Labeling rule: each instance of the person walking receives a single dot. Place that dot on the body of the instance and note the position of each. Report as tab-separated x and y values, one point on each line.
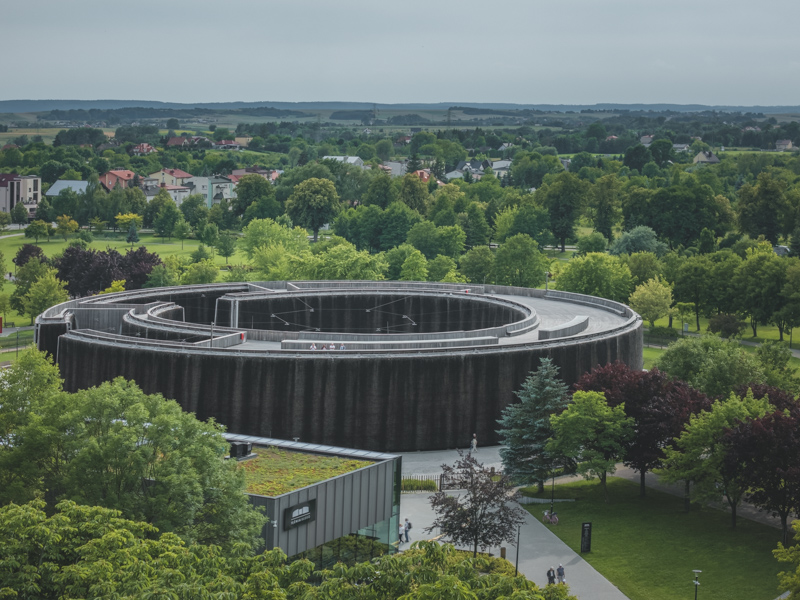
407	528
551	576
474	443
560	574
401	531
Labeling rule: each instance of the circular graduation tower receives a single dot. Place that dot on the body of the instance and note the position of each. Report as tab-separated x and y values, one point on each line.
385	366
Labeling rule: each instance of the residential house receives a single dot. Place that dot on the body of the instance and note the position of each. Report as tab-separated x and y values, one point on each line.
394	168
474	167
243	141
16	189
214	189
646	140
178	142
142	149
121	177
680	147
350	160
783	145
254	170
611	138
706	157
565	162
109	145
505	146
501	168
151	187
79	187
171	176
752	128
227	145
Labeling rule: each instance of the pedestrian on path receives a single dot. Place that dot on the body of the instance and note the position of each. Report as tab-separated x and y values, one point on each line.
400	532
474	443
551	576
407	528
560	574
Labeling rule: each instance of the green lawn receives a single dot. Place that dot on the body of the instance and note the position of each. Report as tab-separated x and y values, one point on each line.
649	546
765	332
161	246
651	355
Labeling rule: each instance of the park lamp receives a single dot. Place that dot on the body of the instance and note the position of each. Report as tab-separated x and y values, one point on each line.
696	582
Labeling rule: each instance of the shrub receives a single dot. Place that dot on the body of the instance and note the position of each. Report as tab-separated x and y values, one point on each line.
418	485
726	325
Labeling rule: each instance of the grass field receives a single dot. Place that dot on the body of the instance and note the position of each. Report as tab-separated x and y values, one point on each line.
649	546
765	332
161	246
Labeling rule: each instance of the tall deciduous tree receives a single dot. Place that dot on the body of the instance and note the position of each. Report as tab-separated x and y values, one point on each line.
36	230
758	282
764	209
692	284
525	426
652	300
19	214
313	203
117	447
593	434
711	364
415	267
700	451
226	245
604	205
563	198
46	291
477	265
596	274
768	451
518	262
484	515
659	405
413	192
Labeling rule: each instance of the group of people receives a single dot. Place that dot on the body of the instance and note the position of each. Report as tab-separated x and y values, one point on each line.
403	530
324	347
556	574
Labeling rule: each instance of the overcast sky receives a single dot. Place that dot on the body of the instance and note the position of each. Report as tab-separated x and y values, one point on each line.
735	52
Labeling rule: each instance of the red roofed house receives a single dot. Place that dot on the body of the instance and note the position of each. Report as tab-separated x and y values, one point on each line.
142	149
123	177
423	175
177	142
171	176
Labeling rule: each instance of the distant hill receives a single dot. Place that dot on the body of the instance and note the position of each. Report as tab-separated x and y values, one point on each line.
34	106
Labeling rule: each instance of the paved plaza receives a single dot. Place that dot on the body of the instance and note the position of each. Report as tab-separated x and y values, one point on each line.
539	548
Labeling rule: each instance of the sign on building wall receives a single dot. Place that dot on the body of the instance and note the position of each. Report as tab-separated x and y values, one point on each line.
299	514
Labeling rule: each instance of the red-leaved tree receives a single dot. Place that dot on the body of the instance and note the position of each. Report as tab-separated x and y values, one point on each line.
660	407
767	450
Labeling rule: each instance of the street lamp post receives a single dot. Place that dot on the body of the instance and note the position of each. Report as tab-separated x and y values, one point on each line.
516	564
696	582
553	493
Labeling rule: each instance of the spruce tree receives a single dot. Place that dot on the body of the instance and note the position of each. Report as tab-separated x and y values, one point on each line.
133	236
525	426
413	164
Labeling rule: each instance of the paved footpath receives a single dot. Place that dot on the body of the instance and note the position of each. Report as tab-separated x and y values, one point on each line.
539	548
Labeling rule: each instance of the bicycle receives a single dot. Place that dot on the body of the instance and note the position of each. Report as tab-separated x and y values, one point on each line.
549	517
